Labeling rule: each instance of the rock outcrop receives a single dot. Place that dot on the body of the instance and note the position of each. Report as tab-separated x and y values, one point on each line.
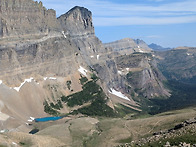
179	64
142	44
20	18
127	46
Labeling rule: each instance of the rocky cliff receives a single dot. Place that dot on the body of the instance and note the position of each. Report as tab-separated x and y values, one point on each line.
104	58
25	17
179	64
128	46
142	44
35	59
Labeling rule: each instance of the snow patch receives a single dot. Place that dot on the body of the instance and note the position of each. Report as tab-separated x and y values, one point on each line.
64	34
32	118
188	54
14	143
119	94
1	82
52	78
83	71
98	57
127	69
26	80
138	46
2	131
141	51
92	56
120	72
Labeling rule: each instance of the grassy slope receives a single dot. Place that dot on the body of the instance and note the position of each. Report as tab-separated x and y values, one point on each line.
89	132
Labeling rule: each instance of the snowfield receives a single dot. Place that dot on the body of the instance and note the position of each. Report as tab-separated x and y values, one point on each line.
119	94
83	71
120	72
141	51
188	54
26	80
64	34
97	57
50	78
31	119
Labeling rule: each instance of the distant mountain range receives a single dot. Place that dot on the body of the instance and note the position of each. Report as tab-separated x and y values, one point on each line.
156	47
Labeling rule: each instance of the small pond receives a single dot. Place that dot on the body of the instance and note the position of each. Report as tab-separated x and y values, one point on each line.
34	131
44	119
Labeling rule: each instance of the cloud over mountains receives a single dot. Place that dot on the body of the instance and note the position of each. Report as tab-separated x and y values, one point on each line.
155	12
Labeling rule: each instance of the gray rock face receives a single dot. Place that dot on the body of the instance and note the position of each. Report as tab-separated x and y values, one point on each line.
77	22
26	17
32	42
52	56
179	64
141	75
104	58
127	46
142	44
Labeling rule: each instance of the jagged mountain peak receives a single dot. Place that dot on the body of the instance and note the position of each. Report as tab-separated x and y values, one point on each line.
77	21
83	10
142	44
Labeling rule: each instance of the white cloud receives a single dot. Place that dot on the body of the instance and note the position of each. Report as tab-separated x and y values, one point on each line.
119	21
107	13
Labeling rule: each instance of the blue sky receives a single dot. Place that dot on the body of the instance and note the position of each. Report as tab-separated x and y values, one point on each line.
170	23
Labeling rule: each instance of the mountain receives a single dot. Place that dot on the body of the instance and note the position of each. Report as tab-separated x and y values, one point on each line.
142	44
126	46
35	59
36	53
156	47
57	67
179	64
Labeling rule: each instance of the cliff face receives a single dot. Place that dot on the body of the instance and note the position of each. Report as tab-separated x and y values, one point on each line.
32	42
179	64
142	44
104	58
77	22
25	17
128	46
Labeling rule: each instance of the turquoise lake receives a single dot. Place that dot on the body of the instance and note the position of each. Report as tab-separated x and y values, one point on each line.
44	119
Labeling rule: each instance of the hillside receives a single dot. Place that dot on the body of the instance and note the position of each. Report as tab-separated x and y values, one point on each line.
132	130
